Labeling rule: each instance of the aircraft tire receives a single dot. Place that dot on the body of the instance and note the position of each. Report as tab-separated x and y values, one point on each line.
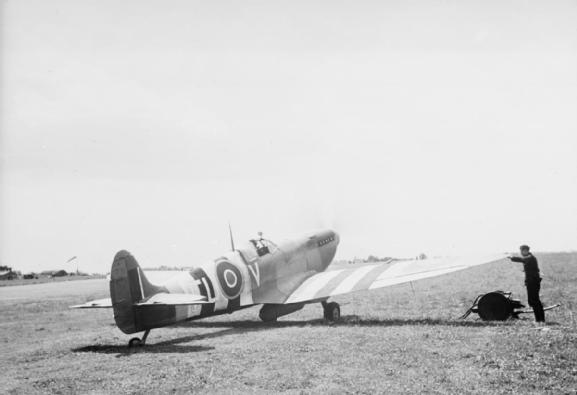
332	312
135	342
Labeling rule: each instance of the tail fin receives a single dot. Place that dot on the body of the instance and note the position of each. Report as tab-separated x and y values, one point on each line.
128	286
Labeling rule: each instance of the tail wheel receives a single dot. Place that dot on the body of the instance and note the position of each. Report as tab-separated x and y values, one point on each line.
138	342
332	312
135	342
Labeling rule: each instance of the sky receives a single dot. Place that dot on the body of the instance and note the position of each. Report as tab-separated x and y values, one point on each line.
437	127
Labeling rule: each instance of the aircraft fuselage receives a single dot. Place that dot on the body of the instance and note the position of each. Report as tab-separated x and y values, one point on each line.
261	271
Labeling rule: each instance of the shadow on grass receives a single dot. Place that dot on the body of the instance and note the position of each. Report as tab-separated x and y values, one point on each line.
346	321
158	348
167	346
244	326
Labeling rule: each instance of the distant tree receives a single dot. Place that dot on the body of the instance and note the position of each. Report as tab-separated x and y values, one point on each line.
5	268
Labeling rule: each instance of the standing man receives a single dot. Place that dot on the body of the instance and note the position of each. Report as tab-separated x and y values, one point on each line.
532	281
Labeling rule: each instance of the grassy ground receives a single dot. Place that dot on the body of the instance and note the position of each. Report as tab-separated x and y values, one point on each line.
400	339
43	280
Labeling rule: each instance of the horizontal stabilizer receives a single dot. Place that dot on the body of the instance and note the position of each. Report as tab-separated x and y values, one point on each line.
94	304
173	300
155	300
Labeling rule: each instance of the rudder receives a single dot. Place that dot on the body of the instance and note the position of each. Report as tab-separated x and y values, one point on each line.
129	285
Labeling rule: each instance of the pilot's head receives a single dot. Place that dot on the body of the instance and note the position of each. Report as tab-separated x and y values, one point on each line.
524	250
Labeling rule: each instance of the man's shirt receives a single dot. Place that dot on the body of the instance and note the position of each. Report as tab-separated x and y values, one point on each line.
529	265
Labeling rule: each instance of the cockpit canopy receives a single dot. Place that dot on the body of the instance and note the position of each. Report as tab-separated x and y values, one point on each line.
262	246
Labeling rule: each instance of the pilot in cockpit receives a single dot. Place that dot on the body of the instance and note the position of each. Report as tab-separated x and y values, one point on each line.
260	245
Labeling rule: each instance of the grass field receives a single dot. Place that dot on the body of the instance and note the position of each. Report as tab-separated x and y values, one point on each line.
401	339
44	280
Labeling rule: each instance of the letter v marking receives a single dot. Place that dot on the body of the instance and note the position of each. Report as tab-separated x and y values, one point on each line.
255	272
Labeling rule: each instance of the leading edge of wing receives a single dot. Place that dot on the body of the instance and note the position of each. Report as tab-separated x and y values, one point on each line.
338	282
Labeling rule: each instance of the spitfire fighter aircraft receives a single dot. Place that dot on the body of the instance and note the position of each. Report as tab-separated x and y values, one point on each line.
281	277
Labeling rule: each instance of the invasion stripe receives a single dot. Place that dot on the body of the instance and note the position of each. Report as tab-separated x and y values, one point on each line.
208	284
352	280
311	285
233	304
369	278
333	283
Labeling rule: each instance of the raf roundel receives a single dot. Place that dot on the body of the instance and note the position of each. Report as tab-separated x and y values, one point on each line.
230	279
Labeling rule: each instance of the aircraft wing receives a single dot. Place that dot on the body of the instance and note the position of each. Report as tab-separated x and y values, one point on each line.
337	282
94	304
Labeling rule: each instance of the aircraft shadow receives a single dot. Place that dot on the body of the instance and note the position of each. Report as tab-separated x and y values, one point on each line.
153	348
235	327
347	320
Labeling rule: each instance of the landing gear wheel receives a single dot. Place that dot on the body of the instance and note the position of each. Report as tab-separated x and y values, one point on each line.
138	342
332	312
135	342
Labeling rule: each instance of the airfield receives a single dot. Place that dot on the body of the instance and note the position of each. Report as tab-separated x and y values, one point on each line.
403	339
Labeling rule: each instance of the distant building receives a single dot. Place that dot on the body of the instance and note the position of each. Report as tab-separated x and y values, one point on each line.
53	273
8	275
60	273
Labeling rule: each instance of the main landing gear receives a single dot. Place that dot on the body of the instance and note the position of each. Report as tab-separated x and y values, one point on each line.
138	342
332	312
